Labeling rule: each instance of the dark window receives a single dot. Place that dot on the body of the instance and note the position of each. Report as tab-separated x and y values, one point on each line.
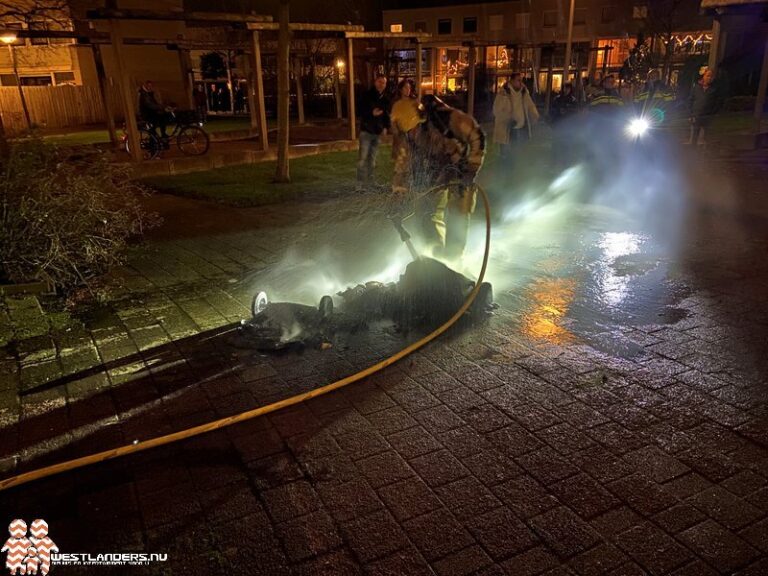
64	77
444	26
550	18
420	27
470	25
7	80
608	14
36	80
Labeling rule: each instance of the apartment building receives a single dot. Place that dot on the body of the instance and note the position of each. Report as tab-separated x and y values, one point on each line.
529	37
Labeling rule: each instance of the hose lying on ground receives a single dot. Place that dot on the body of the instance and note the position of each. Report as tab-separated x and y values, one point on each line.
68	465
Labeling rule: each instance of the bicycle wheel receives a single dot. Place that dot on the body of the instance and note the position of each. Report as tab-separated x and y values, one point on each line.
148	142
193	141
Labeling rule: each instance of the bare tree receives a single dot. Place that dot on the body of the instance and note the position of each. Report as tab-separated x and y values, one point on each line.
34	11
662	20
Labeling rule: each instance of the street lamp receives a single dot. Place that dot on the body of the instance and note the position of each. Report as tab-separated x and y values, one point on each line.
8	38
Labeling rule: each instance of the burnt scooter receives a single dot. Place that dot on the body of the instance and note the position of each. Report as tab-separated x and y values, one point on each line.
427	294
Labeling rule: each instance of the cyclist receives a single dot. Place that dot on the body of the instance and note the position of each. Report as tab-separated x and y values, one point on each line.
152	111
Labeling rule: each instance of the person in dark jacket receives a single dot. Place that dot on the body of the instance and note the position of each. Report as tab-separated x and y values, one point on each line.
151	110
704	104
374	112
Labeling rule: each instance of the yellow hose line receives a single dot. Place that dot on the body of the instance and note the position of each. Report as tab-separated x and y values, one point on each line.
247	415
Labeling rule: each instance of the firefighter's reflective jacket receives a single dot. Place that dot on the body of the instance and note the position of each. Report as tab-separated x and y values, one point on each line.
606	100
655	99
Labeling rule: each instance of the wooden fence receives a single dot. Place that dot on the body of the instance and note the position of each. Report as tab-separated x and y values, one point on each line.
55	107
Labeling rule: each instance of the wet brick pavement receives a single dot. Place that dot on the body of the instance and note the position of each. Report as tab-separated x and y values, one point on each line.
490	452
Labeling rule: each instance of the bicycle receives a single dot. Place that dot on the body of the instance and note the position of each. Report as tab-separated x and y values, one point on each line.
190	137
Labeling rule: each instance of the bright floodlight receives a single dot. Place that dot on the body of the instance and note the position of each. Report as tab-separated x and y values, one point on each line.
638	127
8	37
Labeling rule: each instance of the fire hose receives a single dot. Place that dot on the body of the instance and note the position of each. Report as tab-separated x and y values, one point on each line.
83	461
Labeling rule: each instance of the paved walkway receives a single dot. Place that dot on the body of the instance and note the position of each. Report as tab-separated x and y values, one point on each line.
534	444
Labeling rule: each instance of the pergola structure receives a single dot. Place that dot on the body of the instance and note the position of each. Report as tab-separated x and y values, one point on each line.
255	25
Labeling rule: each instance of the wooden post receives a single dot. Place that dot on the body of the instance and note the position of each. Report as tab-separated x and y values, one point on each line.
282	173
433	69
126	90
256	92
23	99
106	98
299	92
185	63
714	46
337	83
550	74
762	87
472	71
351	89
418	70
568	43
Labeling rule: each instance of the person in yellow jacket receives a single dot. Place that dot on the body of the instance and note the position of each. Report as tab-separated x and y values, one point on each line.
405	116
441	153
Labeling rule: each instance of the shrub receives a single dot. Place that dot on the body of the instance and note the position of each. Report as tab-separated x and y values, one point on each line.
65	216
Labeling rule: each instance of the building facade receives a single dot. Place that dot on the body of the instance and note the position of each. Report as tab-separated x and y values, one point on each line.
529	37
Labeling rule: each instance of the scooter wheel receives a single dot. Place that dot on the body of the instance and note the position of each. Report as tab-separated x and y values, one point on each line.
259	303
326	306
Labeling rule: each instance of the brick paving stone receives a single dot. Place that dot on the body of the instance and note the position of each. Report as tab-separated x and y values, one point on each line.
642	494
438	468
530	563
718	547
333	564
385	468
349	500
291	500
728	509
467	497
463	562
756	569
358	445
687	485
656	464
491	468
373	536
759	499
695	568
546	465
464	441
655	550
679	518
308	536
524	496
757	535
228	503
274	470
585	496
514	440
613	522
409	498
598	560
486	418
438	419
601	464
412	397
414	442
564	532
437	534
565	438
391	420
408	561
501	533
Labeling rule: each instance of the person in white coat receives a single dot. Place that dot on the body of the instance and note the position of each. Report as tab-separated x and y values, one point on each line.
514	115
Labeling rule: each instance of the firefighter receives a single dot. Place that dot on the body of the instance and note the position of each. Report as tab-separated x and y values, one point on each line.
446	150
607	99
654	99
